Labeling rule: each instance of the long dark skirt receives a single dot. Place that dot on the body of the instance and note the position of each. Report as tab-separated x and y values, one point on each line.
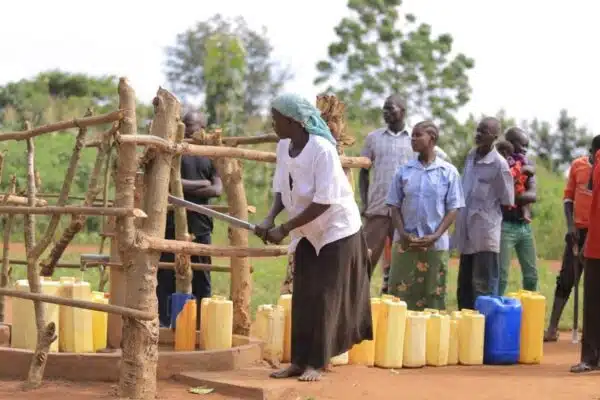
590	338
331	307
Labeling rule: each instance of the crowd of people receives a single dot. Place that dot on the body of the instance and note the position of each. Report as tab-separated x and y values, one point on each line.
412	197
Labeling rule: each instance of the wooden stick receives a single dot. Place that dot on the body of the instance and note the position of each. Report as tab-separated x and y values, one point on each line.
234	141
42	245
99	139
106	179
75	210
144	242
74	198
1	164
225	152
61	126
4	272
46	334
118	265
183	271
12	199
85	304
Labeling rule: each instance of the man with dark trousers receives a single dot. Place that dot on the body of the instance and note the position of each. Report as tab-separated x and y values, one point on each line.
577	202
200	183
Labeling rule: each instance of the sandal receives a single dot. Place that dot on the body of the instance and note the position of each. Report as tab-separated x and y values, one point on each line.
582	368
551	336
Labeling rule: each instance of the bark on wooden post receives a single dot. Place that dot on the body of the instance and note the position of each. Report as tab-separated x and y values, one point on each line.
124	197
45	334
183	270
140	338
8	222
230	171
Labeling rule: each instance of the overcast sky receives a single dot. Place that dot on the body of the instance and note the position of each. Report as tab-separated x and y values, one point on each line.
533	57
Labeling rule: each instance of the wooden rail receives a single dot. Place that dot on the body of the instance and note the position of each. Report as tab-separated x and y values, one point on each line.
88	305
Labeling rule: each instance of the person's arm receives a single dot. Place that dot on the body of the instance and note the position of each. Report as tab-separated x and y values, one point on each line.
363	176
568	205
262	229
189	186
504	184
529	196
394	200
214	189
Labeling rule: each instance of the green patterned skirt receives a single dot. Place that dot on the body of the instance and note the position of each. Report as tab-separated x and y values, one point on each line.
419	277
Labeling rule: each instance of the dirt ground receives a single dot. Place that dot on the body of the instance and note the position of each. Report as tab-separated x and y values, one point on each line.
550	380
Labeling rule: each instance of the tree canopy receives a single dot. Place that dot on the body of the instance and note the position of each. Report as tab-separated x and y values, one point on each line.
378	53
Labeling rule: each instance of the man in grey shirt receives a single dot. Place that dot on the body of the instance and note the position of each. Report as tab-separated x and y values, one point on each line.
388	148
487	184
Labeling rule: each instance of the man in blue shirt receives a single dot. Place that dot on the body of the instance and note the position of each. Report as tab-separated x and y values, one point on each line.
424	198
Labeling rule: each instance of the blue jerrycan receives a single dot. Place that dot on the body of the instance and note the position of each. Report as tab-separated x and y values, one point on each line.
502	329
176	303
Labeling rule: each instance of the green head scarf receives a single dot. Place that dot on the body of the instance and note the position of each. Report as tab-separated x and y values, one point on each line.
303	112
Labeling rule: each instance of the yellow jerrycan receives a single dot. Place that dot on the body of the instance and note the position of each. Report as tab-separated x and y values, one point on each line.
203	321
364	352
219	324
471	331
532	326
438	340
185	326
76	323
415	339
285	301
391	326
99	322
454	335
270	328
24	328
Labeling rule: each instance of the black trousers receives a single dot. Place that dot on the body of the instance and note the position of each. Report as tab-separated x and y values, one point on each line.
570	270
201	287
478	275
590	340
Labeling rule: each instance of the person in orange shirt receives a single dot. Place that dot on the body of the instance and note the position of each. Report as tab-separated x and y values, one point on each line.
577	201
590	340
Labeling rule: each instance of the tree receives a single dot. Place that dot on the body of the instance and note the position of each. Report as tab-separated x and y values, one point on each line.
224	70
56	95
263	77
557	149
373	58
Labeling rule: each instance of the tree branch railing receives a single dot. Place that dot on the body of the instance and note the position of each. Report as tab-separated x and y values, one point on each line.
85	304
223	152
63	125
74	210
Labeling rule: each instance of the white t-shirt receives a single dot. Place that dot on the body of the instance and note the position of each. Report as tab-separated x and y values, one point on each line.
317	176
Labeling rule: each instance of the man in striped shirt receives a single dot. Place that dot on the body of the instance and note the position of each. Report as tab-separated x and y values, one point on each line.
577	202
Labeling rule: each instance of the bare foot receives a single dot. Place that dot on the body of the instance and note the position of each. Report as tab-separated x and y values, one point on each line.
310	375
289	372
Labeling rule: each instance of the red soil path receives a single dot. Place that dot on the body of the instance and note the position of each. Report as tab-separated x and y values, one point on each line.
550	380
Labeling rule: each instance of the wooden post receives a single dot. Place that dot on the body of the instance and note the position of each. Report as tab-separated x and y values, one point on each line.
140	338
124	197
230	171
183	271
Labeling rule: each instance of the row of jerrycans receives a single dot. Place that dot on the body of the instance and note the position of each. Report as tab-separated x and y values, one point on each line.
402	338
78	330
413	339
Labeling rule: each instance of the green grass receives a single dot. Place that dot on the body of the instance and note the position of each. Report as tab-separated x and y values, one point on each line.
270	272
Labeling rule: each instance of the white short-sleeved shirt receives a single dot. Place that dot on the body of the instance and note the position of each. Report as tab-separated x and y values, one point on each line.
317	176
